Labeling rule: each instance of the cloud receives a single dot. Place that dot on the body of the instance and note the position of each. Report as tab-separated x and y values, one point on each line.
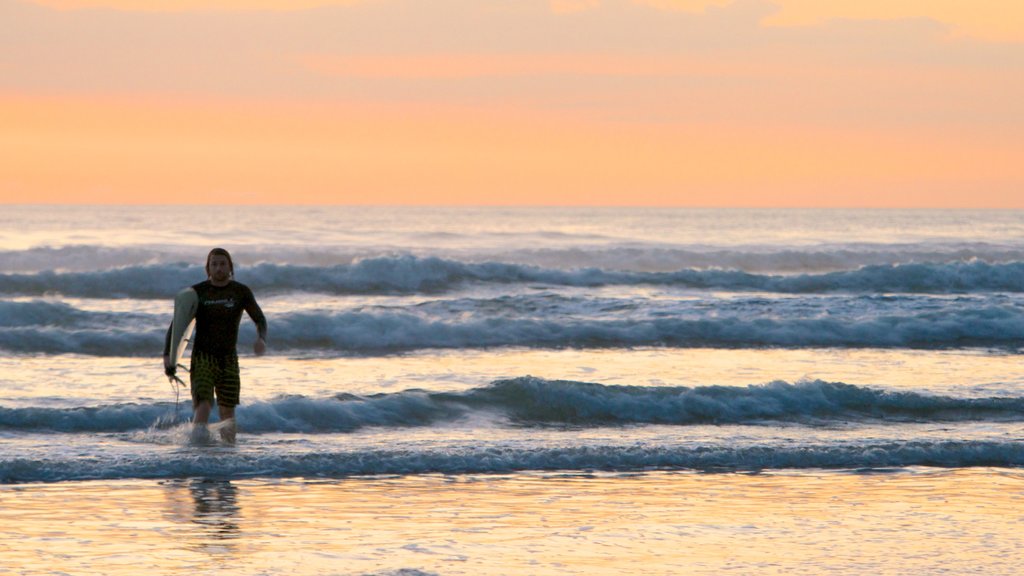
573	6
988	20
680	101
193	5
556	6
693	6
453	66
618	61
991	20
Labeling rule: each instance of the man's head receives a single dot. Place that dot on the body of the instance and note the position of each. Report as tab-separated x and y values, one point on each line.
219	267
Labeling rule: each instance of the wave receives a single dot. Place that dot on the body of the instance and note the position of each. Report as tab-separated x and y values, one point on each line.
88	341
529	401
52	313
632	255
537	400
487	459
19	314
79	258
814	259
413	275
387	331
384	332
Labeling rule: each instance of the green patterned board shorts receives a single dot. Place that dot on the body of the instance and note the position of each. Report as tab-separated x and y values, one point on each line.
218	375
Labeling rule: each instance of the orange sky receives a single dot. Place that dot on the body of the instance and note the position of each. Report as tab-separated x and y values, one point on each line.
902	103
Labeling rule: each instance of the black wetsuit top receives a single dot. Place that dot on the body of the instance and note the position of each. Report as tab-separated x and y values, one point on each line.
218	317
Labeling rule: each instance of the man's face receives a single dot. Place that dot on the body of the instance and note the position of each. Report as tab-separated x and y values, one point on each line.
219	268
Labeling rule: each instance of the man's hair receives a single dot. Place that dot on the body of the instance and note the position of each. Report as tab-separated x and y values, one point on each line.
219	252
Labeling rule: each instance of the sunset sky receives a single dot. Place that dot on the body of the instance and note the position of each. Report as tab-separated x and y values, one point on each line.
894	103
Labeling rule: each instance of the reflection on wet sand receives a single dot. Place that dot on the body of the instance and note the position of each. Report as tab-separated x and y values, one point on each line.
211	507
546	524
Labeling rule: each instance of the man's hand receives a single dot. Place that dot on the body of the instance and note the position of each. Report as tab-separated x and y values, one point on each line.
260	347
171	370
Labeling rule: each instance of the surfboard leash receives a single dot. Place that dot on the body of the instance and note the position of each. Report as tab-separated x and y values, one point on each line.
177	389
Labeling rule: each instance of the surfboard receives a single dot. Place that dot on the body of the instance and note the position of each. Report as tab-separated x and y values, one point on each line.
186	303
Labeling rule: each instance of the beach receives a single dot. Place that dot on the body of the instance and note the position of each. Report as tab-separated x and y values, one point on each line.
909	521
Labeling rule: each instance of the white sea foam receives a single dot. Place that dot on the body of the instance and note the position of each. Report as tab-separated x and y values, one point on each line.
537	401
410	274
630	256
45	328
503	459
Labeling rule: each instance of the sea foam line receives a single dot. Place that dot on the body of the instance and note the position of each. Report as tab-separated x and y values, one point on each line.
636	256
413	275
536	401
505	459
386	331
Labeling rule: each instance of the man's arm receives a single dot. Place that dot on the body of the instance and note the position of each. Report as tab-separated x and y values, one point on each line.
167	340
256	313
169	369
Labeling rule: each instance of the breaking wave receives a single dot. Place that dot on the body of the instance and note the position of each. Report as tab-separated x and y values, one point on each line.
412	275
537	401
54	328
634	256
505	459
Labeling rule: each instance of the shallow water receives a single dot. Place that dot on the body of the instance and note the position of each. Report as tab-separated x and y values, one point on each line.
911	521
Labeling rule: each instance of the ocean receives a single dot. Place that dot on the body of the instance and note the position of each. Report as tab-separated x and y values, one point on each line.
482	391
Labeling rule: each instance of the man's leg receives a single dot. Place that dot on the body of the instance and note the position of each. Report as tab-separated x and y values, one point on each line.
201	413
203	376
227	417
228	391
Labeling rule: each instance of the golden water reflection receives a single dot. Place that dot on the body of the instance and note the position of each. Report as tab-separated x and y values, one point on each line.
904	522
210	507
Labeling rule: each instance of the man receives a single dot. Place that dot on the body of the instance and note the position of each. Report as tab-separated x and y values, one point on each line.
214	368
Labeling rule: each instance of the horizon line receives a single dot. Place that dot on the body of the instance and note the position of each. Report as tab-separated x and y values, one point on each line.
503	206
